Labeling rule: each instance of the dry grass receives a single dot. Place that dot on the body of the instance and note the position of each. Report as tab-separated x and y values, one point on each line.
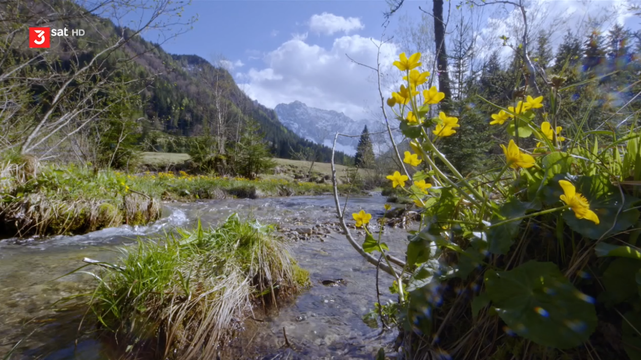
163	159
183	296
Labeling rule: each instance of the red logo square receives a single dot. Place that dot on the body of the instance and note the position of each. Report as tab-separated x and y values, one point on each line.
39	37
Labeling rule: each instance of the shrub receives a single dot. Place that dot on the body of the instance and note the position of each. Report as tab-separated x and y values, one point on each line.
534	259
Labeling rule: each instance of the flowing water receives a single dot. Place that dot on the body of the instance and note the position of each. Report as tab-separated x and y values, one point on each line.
323	322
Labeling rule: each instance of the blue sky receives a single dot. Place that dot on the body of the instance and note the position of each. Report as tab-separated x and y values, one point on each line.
282	51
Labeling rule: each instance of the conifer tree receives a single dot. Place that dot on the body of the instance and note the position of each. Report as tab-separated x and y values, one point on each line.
364	151
594	54
543	53
568	53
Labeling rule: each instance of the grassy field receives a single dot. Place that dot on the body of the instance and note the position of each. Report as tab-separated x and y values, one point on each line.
323	168
165	159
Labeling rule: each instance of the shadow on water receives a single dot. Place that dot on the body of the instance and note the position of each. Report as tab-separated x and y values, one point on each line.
322	322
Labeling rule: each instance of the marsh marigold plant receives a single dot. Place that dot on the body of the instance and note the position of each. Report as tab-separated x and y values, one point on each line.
516	249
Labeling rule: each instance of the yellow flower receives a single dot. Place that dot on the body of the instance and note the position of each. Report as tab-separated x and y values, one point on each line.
577	202
422	185
411	118
404	95
417	78
408	64
397	179
387	207
432	96
411	159
362	218
500	118
391	102
546	129
446	128
515	158
534	103
126	188
418	203
520	108
122	183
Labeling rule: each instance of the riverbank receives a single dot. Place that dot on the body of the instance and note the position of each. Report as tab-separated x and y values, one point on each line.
76	200
324	320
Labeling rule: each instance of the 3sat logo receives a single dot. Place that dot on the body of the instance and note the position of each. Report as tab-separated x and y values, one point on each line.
39	37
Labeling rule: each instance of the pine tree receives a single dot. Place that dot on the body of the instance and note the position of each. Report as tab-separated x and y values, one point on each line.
364	151
594	54
543	52
568	53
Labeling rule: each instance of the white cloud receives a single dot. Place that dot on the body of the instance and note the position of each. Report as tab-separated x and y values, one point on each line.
230	66
330	24
321	77
555	16
301	37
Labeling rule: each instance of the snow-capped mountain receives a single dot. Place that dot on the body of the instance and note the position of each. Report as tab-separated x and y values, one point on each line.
320	126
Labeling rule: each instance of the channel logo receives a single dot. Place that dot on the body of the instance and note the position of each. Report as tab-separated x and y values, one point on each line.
39	37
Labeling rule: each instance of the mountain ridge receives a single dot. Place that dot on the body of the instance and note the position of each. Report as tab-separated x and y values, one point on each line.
320	125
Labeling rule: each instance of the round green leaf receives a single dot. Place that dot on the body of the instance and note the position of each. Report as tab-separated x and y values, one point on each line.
412	132
538	303
521	126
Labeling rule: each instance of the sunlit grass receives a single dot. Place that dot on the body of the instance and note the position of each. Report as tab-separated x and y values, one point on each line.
180	296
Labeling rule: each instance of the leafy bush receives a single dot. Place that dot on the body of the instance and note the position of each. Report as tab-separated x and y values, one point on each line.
536	257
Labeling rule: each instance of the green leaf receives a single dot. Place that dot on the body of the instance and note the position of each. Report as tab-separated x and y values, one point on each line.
442	207
630	328
469	260
478	303
619	280
370	243
384	246
380	355
418	252
419	175
521	124
538	303
556	163
411	132
501	237
603	250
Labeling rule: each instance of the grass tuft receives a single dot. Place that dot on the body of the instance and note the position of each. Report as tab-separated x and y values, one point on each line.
182	296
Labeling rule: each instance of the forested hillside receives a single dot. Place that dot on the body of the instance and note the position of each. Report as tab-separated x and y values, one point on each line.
134	94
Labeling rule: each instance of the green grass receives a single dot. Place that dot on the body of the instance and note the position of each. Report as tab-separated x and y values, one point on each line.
165	159
76	200
178	296
162	158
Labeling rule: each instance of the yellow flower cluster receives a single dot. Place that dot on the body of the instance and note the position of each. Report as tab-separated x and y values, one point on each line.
520	108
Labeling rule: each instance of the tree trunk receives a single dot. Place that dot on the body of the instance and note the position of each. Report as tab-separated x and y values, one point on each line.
441	55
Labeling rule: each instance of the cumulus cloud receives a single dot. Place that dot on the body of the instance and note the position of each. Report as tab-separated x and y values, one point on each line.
553	16
330	24
229	65
321	77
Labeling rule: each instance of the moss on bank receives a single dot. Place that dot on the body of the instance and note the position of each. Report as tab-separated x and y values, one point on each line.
77	200
181	297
